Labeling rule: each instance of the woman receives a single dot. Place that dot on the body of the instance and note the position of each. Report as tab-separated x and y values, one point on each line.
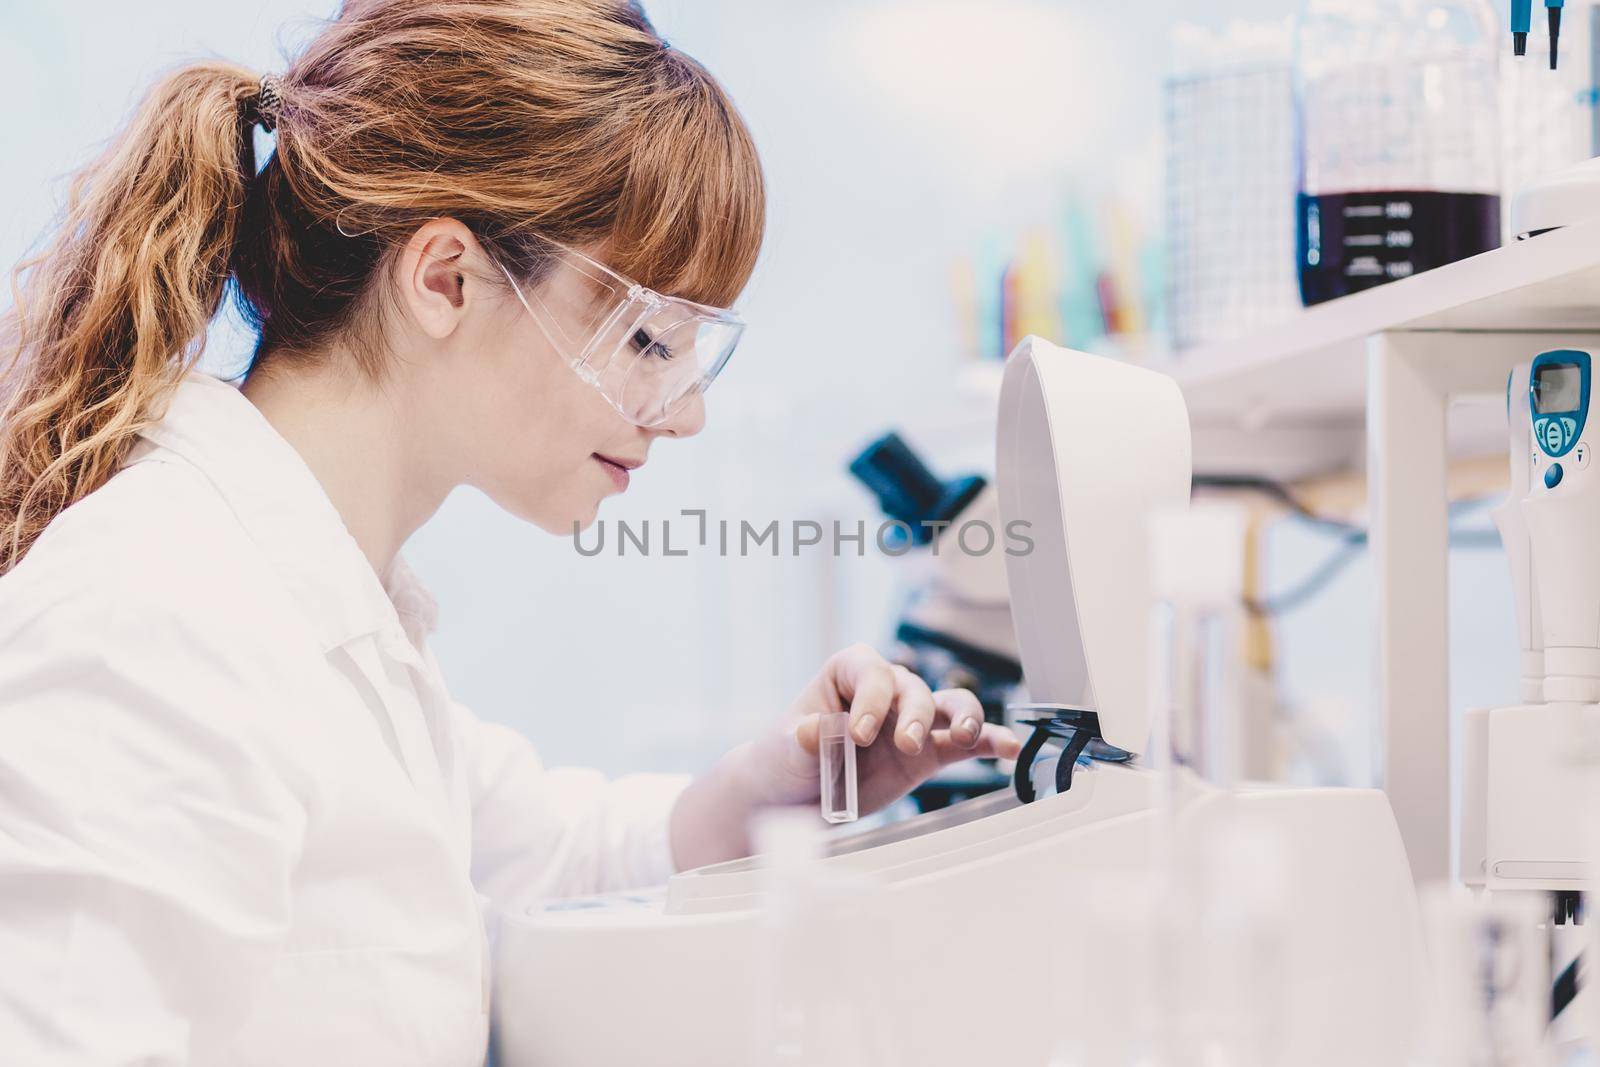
240	819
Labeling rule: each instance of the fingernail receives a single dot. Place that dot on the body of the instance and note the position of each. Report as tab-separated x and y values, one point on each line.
916	731
864	729
968	729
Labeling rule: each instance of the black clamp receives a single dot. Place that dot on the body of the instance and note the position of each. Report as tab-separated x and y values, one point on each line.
1077	727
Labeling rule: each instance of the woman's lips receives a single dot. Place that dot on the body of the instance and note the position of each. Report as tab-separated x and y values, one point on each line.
619	473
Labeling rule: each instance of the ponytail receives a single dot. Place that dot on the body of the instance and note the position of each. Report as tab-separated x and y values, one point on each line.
524	119
113	309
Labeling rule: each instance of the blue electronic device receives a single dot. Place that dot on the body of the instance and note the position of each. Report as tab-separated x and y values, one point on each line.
1558	397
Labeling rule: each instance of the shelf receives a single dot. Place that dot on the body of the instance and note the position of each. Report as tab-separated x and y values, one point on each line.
1446	339
1312	366
1290	402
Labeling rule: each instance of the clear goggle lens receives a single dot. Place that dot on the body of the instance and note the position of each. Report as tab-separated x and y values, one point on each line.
648	354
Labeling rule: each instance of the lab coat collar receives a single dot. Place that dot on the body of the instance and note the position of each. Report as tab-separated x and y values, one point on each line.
287	513
417	609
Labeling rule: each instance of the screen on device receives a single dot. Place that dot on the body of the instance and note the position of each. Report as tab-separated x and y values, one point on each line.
1557	388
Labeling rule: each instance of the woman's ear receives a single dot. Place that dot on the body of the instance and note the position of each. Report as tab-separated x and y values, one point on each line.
431	276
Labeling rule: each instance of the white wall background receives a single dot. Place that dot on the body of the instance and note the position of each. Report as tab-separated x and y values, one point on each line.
892	131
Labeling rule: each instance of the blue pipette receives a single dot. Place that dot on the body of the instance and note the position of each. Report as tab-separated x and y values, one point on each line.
1521	16
1552	11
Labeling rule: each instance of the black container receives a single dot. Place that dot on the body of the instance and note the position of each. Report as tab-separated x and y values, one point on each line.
1353	241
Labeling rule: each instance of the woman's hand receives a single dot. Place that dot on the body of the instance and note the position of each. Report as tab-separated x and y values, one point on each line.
906	732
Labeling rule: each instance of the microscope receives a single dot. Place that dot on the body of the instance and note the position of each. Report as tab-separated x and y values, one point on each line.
1527	783
954	630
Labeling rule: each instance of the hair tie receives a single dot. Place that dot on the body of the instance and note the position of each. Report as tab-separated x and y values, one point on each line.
269	102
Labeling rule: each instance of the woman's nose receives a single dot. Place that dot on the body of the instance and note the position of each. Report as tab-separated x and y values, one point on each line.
688	420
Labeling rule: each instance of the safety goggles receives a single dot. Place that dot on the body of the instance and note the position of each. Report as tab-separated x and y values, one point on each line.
648	354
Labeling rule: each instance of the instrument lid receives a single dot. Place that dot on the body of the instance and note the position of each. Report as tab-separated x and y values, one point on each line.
1088	449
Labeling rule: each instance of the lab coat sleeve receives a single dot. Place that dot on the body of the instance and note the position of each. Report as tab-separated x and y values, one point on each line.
539	833
145	847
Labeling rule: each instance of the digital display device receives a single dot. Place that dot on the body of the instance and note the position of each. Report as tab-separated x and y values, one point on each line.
1557	387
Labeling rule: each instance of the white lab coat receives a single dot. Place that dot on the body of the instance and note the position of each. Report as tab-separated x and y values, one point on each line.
241	821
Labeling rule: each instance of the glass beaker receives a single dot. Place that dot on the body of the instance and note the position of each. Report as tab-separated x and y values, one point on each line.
1398	124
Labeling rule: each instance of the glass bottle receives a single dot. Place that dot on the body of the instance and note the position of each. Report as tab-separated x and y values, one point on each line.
1398	124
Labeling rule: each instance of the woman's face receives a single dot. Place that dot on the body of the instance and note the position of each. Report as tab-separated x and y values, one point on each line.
517	420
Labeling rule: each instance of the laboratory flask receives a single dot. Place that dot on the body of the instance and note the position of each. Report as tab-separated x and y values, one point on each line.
1397	120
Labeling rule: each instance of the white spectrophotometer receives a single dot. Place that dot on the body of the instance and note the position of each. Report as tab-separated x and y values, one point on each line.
995	910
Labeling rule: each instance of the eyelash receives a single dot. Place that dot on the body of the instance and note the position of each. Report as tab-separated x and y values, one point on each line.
644	343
